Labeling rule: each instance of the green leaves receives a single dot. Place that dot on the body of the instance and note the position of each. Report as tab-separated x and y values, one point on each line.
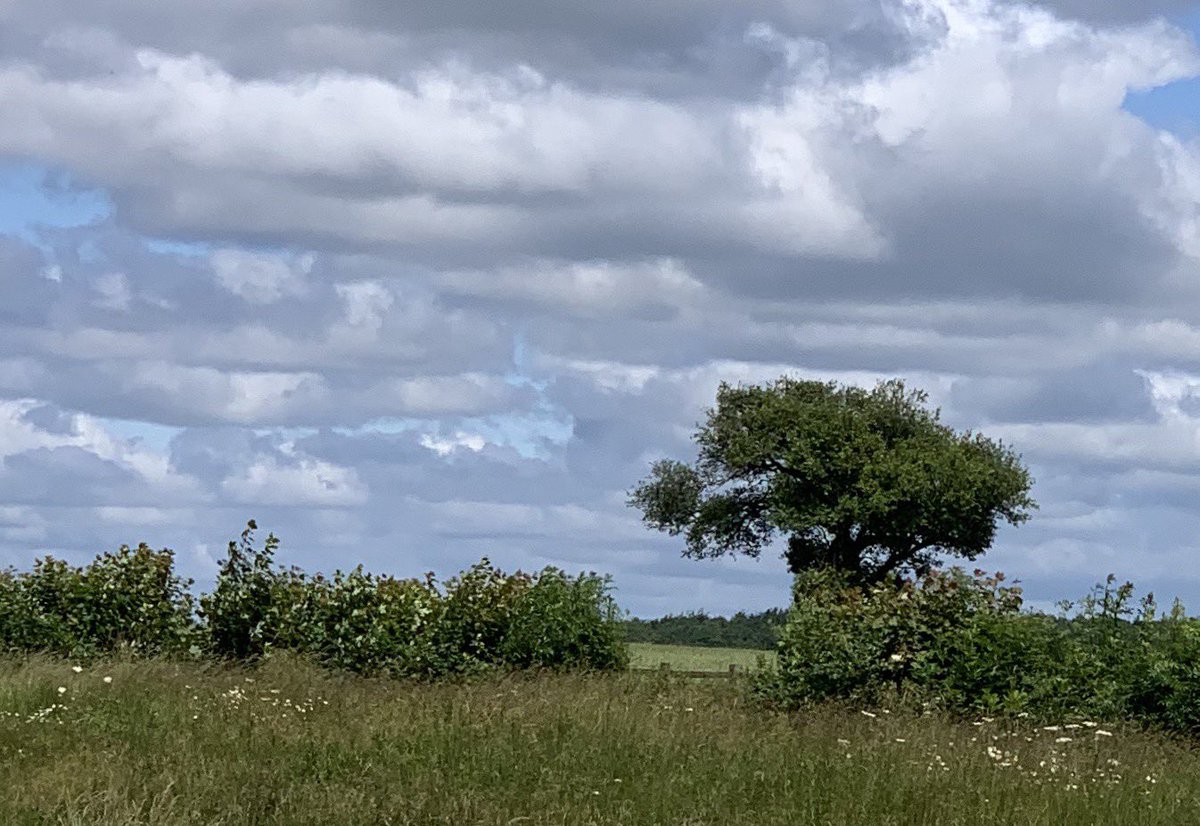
866	481
961	643
355	620
128	600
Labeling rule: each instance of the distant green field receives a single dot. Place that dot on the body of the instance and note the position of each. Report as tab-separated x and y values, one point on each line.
693	658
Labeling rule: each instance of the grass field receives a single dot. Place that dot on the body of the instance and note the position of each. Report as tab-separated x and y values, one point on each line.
693	658
289	744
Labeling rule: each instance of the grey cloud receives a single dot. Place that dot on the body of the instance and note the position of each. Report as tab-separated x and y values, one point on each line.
70	474
572	257
1116	10
1093	393
665	48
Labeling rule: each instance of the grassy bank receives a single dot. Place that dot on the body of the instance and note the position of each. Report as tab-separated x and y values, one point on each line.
289	744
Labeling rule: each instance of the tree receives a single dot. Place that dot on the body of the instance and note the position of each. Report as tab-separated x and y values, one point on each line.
868	481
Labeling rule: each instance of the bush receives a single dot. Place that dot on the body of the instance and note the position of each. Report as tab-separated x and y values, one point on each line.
962	643
238	613
480	619
132	600
562	622
129	600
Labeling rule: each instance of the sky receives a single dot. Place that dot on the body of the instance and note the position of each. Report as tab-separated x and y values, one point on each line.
413	283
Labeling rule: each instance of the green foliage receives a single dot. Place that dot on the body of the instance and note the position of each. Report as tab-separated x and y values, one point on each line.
962	643
742	630
564	622
480	619
130	600
236	613
358	621
869	482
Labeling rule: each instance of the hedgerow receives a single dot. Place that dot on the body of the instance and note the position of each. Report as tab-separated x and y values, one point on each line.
132	601
962	643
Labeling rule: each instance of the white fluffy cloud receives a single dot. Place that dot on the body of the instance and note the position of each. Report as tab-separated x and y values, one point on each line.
415	284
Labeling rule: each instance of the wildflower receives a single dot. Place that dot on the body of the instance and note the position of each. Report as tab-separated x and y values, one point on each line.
901	740
1050	728
108	680
897	658
1063	740
62	689
1102	733
869	714
78	669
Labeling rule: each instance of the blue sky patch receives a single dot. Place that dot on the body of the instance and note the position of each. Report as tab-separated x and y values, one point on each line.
34	196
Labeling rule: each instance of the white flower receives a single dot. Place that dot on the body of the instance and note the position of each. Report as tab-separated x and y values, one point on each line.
897	658
108	680
78	669
868	714
1063	740
1102	733
62	689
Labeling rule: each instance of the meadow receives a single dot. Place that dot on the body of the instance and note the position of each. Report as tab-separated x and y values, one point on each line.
695	658
157	742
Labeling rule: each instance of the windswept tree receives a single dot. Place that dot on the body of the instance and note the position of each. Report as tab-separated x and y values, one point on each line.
868	481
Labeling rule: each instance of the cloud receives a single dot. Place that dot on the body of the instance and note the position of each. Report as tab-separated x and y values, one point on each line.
413	283
260	278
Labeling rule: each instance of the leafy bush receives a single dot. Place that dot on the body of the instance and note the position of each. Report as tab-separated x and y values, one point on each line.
130	600
962	643
562	622
481	618
237	612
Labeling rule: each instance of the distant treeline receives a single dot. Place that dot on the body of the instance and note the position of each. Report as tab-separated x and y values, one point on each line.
742	630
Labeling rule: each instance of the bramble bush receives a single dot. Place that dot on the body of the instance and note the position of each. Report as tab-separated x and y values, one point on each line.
133	601
961	643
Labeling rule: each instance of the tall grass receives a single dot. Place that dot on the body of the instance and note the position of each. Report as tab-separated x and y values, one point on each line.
288	743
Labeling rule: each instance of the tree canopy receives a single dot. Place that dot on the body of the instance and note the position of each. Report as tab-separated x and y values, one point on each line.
868	481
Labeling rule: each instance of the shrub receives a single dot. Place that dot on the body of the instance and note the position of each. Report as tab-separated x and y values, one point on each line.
361	622
238	614
562	622
962	643
483	618
480	619
130	599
